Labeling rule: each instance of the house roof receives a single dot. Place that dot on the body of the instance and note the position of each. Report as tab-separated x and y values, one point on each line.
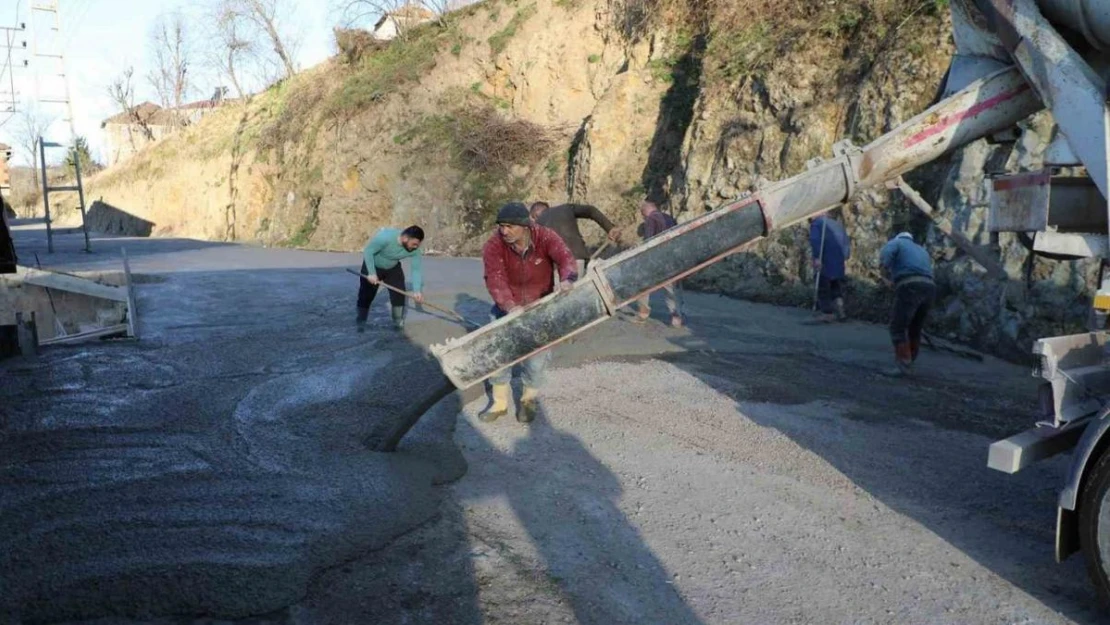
155	115
147	111
407	13
200	104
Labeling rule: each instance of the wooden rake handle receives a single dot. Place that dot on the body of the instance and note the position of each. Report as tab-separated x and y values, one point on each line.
411	294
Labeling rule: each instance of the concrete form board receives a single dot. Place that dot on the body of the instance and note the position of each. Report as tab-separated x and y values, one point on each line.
78	312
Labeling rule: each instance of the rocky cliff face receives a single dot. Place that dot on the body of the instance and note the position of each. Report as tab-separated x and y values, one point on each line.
607	101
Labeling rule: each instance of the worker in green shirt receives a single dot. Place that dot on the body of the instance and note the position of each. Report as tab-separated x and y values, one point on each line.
384	253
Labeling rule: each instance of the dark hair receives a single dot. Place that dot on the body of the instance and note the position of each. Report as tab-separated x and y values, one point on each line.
540	203
414	232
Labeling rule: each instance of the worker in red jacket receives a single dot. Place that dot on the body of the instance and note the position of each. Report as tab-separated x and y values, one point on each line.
519	261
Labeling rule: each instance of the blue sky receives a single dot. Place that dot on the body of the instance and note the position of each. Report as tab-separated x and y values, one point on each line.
101	38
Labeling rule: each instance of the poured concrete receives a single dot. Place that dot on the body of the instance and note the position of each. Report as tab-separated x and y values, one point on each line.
747	469
215	466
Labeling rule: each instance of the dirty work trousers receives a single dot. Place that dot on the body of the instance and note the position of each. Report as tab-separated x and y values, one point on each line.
913	298
532	372
672	294
828	290
394	277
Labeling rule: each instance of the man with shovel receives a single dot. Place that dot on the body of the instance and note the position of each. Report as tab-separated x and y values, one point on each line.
519	262
384	252
830	247
909	268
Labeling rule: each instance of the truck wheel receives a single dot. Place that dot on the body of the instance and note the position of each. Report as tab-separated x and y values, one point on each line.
1094	525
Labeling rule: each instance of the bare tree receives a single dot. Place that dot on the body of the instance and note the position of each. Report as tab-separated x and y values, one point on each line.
235	50
264	20
440	7
171	55
31	125
122	93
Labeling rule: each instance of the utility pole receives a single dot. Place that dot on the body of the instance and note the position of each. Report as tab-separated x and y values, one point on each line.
51	55
13	45
13	48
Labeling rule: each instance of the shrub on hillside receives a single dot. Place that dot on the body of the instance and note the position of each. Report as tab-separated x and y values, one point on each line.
487	141
354	44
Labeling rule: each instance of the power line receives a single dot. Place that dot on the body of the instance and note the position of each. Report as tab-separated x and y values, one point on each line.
9	99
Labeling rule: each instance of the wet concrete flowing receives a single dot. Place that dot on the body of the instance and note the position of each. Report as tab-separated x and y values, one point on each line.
219	464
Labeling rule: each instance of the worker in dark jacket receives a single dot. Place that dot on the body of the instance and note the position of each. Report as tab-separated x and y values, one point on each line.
908	266
563	219
520	261
830	248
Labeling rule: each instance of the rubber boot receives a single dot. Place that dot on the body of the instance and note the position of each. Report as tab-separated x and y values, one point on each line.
529	405
500	405
398	314
903	362
360	320
839	303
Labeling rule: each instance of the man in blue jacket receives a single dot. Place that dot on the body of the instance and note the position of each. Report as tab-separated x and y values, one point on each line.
830	248
908	266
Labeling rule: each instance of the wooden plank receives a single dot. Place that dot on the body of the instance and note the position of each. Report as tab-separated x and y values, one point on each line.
85	336
132	306
72	284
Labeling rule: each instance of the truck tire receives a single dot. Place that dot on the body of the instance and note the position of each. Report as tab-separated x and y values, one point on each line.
1094	525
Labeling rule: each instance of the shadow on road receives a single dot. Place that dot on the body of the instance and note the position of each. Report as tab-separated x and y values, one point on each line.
911	460
593	556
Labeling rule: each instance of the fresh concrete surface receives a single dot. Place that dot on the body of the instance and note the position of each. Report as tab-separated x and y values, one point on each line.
748	469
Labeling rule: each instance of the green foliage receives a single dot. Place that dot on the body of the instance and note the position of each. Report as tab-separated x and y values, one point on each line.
845	20
593	58
308	228
734	54
499	40
636	192
79	153
404	60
